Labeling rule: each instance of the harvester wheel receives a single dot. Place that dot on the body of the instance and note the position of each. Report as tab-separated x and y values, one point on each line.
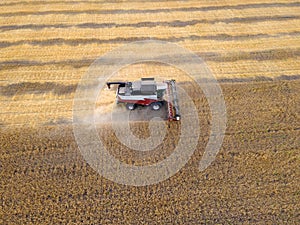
156	106
130	106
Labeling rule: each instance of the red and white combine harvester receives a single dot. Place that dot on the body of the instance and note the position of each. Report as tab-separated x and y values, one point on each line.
148	92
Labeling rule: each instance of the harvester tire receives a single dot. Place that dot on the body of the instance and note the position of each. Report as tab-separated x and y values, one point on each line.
130	106
156	106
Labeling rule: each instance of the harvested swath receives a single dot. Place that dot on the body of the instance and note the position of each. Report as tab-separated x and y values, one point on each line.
78	42
142	11
148	24
36	88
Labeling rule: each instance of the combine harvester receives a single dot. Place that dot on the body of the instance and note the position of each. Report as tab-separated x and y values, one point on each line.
148	92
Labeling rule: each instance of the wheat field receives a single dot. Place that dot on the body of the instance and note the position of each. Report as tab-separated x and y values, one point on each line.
47	47
252	48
